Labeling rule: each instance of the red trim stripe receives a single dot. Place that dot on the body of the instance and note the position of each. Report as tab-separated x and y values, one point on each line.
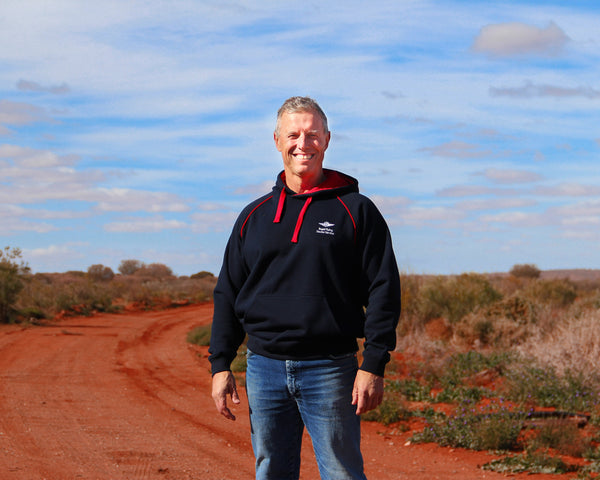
351	217
250	214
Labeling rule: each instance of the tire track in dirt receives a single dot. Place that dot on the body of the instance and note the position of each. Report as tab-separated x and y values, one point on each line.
112	396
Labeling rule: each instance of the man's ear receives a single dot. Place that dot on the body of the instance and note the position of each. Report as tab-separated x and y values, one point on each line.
328	138
276	140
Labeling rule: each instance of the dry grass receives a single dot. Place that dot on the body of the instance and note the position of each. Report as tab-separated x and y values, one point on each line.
77	293
572	346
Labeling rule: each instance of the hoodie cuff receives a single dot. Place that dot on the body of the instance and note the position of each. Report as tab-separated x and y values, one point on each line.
374	361
219	365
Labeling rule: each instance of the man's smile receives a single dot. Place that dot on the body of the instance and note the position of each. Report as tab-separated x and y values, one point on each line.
303	156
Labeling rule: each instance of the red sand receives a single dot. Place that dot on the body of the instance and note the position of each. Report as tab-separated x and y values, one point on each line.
126	397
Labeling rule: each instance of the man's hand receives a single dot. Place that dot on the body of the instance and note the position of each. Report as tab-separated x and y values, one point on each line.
368	391
223	384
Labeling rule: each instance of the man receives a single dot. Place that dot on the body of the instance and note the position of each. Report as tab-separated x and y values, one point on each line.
308	269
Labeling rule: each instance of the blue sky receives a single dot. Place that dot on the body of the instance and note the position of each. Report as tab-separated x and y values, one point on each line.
139	129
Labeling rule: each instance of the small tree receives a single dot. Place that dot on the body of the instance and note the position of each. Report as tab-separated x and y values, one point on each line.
100	273
157	271
202	274
12	269
526	270
129	267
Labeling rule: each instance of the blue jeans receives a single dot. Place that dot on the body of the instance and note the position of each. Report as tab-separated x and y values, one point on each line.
286	395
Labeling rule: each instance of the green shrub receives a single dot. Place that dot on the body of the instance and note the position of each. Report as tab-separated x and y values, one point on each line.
561	435
463	365
556	293
410	389
527	383
530	462
391	410
455	297
12	270
200	335
491	428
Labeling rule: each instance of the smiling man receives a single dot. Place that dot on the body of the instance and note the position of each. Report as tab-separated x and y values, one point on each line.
309	268
302	138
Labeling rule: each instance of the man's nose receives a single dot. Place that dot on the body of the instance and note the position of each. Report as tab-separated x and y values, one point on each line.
301	142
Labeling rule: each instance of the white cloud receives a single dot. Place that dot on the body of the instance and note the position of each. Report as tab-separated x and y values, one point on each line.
579	210
52	251
568	189
457	149
418	216
495	204
20	113
33	158
515	38
127	200
473	191
145	225
507	176
213	221
589	220
515	219
38	176
30	86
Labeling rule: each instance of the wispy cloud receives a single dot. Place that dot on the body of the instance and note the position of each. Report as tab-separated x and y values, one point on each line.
457	149
30	86
145	225
509	176
20	113
568	190
529	90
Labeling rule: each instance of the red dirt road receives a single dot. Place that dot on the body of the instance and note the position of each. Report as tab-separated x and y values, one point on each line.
125	397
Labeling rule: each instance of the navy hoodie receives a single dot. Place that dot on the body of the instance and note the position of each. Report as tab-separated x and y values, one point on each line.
305	275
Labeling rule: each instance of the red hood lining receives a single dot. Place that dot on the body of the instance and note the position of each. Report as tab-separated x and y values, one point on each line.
332	180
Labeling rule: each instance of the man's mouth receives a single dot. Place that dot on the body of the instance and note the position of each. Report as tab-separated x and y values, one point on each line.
303	156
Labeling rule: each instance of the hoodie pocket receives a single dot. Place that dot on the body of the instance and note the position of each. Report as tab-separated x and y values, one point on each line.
305	316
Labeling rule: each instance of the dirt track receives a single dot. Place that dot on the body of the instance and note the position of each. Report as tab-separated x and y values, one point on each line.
125	397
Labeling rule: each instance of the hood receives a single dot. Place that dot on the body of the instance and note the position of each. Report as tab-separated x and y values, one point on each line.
334	185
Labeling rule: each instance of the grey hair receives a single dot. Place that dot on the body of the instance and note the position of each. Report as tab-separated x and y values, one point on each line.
300	104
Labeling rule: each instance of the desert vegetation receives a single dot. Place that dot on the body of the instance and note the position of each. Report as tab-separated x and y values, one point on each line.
31	298
504	362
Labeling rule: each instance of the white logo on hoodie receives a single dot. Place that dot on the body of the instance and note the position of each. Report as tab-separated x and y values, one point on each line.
325	228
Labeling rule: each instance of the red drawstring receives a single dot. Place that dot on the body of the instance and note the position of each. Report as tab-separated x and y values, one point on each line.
277	218
300	219
279	211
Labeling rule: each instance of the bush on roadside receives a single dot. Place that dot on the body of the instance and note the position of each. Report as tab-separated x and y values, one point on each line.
455	297
12	271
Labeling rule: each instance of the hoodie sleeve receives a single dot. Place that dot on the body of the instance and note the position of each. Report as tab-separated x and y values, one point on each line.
227	333
380	287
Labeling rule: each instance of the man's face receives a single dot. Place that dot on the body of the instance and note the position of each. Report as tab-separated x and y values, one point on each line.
302	142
